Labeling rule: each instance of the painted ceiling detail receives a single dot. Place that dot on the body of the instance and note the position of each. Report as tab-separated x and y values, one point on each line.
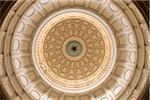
74	50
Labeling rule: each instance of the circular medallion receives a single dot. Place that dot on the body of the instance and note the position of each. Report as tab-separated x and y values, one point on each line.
74	42
74	46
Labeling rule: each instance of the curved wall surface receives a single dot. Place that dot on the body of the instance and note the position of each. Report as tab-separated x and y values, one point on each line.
74	50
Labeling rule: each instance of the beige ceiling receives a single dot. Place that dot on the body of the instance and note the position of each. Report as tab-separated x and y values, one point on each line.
113	63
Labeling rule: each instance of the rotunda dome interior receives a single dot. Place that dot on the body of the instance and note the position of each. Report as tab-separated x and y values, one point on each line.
74	50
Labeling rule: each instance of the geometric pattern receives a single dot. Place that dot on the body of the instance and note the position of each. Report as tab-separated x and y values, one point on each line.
20	78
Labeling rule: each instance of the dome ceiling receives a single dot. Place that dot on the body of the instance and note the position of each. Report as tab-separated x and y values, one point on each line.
74	50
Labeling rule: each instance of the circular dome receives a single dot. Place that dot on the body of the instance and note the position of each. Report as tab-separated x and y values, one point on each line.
82	29
74	50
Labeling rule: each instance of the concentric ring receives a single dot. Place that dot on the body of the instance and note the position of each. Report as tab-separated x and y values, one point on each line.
60	75
112	65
